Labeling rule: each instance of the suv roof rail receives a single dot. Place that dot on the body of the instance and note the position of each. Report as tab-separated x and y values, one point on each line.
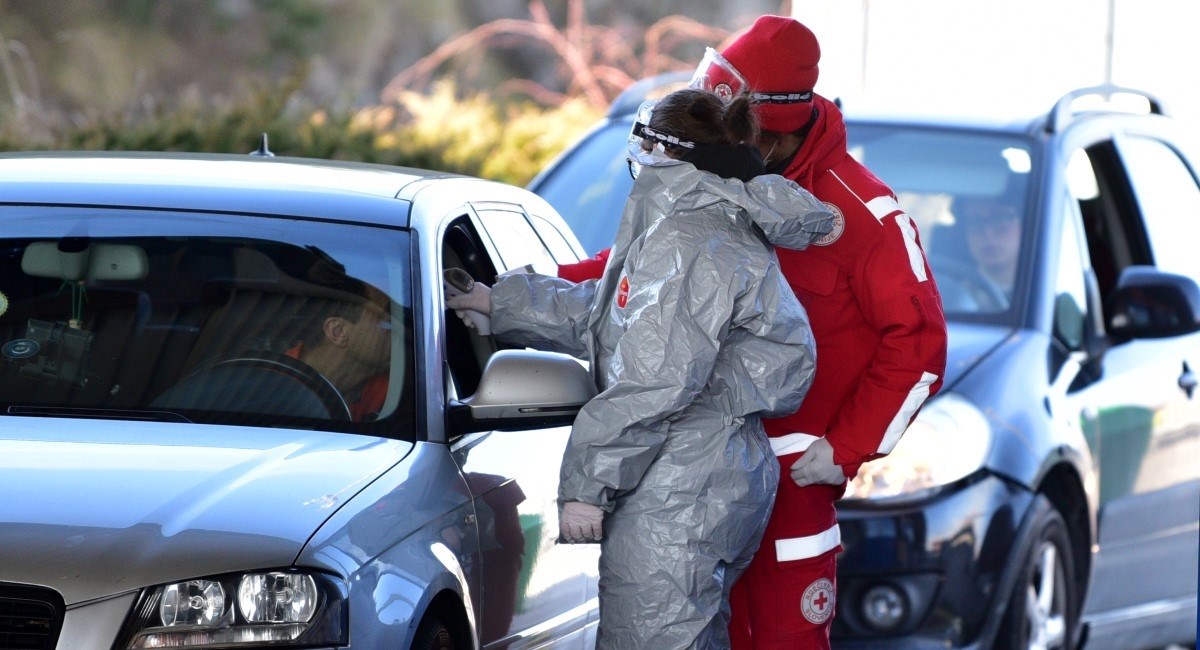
632	97
1061	113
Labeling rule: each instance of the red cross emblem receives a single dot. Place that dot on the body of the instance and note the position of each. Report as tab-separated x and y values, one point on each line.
623	292
817	603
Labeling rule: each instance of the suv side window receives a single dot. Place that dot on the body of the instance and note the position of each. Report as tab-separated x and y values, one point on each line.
1169	199
1115	236
1070	289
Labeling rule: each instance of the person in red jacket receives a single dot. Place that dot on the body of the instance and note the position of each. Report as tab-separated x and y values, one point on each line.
876	316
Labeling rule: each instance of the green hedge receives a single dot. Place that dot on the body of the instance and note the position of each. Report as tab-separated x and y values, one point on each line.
438	130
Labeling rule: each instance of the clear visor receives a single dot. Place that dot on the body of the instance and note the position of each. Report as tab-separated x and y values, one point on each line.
718	76
648	146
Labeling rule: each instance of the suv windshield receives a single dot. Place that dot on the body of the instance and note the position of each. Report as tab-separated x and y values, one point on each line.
205	318
589	186
969	194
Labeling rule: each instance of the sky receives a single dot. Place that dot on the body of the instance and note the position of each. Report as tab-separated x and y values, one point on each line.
984	56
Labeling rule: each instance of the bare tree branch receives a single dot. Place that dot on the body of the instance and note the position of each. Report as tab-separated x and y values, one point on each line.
598	62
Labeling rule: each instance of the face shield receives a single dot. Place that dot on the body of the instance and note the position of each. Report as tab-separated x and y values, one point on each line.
648	146
718	76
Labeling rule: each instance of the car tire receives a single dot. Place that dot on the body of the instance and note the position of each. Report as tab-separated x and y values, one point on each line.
1043	606
433	635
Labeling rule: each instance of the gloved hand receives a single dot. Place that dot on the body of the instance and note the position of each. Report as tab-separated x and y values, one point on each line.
816	465
581	522
470	300
479	299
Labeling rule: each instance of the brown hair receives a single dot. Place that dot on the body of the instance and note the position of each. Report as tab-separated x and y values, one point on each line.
704	118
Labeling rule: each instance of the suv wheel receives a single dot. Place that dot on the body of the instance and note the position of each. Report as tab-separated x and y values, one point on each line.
433	635
1042	608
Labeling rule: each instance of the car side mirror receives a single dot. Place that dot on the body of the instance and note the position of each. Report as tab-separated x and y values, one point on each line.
1149	303
525	389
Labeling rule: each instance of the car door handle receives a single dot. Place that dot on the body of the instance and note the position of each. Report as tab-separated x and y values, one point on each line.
1187	380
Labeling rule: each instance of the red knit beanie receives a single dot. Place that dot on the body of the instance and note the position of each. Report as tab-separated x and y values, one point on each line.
778	56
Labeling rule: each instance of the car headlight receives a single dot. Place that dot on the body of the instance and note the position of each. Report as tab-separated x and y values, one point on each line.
280	608
949	440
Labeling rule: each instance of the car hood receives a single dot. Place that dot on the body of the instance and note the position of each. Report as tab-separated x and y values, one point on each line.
968	344
94	508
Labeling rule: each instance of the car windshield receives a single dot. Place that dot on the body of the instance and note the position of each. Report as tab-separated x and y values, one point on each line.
968	193
205	318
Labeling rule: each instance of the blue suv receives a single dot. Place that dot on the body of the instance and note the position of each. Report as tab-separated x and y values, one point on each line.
1049	495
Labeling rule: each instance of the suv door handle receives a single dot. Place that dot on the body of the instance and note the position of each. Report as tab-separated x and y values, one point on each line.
1187	380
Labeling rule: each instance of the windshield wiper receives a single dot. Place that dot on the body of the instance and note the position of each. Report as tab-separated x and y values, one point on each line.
95	413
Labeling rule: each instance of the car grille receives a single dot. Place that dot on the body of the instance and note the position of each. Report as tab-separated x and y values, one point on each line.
30	617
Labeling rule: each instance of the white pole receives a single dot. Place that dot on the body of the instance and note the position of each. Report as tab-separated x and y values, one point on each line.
1109	41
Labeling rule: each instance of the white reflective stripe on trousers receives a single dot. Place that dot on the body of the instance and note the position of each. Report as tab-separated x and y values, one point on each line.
802	548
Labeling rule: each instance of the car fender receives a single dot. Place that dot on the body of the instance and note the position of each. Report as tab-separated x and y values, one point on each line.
1037	440
405	539
1034	428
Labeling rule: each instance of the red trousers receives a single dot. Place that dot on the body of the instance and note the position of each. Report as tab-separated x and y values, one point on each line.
786	598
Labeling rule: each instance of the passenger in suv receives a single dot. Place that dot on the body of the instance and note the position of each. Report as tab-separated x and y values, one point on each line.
1054	477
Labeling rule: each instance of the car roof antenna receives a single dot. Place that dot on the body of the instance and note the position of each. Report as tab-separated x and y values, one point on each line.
262	149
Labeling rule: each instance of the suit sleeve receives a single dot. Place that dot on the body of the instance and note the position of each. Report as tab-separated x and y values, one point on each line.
542	312
895	289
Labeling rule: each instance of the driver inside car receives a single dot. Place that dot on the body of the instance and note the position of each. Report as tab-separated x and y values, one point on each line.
349	344
992	228
335	367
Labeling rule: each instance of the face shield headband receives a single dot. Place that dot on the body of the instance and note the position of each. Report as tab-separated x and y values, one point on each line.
649	146
665	140
655	148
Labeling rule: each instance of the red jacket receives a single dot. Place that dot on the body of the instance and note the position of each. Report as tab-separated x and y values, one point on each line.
875	310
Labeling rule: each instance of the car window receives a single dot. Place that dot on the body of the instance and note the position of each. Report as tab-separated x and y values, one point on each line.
466	350
554	240
205	318
1170	203
1116	238
516	242
1070	288
969	194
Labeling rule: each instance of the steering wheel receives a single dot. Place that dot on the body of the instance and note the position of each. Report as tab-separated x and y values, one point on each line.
964	288
261	382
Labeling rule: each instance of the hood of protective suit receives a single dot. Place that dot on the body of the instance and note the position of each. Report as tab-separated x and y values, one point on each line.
786	215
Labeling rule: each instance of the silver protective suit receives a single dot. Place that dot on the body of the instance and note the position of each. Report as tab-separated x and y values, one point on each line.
693	335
